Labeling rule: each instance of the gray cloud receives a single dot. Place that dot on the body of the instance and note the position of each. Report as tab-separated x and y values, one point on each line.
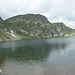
52	9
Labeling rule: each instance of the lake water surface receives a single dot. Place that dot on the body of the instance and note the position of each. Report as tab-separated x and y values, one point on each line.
52	56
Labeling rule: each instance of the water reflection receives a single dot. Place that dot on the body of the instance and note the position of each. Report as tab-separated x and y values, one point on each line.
54	56
29	50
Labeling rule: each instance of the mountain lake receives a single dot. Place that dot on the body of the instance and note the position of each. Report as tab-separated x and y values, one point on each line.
50	56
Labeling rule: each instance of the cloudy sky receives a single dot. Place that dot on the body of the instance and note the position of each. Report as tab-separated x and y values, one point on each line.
54	10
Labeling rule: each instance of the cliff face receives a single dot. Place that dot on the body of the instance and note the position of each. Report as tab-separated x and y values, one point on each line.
1	22
31	26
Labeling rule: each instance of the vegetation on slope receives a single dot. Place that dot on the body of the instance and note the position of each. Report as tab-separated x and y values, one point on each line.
32	26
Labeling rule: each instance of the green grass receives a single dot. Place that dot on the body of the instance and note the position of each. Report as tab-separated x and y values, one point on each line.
3	36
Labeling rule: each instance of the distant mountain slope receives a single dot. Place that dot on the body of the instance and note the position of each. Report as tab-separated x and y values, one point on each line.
31	26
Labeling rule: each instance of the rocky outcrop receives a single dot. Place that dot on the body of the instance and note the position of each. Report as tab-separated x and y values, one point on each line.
31	26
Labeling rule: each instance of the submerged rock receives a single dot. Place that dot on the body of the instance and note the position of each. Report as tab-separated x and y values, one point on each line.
0	71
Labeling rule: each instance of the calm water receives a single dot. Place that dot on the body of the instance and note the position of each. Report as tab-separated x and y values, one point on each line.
53	56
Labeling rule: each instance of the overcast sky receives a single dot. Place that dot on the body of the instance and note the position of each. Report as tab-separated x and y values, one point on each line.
54	10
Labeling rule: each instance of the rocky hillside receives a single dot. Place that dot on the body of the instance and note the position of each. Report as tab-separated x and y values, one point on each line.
31	26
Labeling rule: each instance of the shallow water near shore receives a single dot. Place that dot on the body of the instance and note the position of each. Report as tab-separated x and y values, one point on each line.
52	56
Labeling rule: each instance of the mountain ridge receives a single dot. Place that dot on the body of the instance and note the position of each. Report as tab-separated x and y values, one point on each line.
31	26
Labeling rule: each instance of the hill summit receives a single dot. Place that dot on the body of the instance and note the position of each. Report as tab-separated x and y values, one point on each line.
30	26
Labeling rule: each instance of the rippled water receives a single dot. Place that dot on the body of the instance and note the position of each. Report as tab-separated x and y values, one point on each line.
52	56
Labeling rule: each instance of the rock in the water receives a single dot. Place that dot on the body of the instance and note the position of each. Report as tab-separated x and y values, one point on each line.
0	71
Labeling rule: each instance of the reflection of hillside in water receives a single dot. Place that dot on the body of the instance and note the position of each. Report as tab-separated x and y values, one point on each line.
29	50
